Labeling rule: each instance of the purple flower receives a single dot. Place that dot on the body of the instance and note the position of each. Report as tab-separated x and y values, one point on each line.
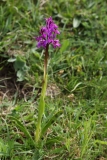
48	35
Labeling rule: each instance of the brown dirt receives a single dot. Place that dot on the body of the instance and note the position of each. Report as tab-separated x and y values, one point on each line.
8	82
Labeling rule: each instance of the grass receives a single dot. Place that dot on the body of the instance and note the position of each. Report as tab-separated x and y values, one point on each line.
78	68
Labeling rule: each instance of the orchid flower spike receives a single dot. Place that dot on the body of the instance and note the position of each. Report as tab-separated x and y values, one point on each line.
48	35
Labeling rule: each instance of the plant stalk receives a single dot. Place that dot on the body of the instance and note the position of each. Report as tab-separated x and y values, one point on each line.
42	97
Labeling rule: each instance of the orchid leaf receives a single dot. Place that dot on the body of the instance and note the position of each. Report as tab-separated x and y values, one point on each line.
50	122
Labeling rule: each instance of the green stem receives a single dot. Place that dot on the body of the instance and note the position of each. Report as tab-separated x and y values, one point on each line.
42	97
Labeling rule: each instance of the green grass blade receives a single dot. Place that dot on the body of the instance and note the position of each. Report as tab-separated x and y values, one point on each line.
101	142
23	129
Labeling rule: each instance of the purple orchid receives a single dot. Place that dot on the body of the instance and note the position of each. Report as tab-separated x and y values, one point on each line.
48	35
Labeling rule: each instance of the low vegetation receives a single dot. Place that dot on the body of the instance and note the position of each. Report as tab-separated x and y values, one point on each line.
77	76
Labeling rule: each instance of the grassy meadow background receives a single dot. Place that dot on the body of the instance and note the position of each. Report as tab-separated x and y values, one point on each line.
78	70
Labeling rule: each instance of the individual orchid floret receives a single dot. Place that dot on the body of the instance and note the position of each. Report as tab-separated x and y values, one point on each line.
48	35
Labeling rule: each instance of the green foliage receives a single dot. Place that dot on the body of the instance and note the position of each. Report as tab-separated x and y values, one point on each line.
23	129
50	120
74	125
20	67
